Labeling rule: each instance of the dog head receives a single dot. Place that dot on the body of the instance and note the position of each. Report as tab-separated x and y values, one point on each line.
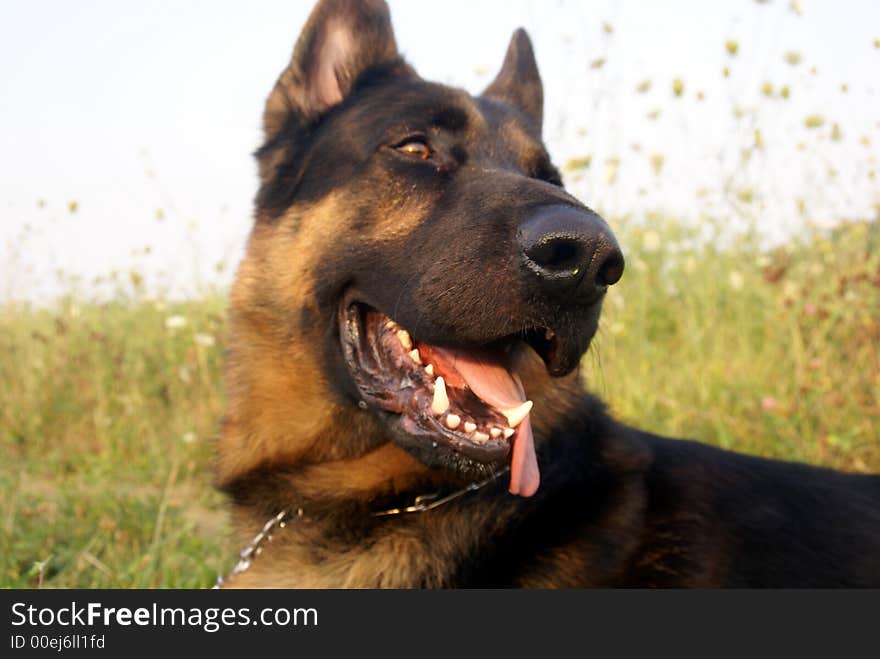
416	273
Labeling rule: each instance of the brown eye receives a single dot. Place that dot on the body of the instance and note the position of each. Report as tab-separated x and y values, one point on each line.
415	149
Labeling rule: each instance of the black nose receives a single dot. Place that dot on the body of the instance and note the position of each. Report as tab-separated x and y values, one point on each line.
570	249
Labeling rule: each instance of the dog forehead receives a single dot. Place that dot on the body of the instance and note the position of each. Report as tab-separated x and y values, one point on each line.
417	103
423	105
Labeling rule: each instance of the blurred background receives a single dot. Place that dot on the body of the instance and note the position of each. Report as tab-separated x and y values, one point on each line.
733	147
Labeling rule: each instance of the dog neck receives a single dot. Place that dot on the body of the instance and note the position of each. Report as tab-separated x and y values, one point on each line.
338	541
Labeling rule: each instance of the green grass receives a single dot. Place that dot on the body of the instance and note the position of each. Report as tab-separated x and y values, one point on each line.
771	353
108	411
106	421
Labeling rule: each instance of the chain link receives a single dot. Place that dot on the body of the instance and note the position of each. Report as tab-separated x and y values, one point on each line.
430	501
255	548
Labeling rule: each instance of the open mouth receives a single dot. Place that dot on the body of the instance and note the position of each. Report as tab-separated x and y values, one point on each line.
449	405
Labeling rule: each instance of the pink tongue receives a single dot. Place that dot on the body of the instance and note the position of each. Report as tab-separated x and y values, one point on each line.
496	386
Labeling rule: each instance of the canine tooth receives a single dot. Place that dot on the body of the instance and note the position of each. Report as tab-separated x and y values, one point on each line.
515	415
429	369
508	433
414	355
452	421
495	432
481	437
390	324
403	337
441	401
469	427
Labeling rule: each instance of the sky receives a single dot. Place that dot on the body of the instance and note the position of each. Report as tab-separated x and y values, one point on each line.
126	128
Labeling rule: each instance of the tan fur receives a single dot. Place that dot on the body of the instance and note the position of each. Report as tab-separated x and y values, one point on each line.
281	407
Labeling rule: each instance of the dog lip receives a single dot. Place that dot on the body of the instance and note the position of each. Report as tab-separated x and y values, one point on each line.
566	352
561	350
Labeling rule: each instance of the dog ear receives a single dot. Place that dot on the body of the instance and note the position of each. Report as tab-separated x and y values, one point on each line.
519	83
341	39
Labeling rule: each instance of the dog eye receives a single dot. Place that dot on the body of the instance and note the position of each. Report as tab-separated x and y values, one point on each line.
415	148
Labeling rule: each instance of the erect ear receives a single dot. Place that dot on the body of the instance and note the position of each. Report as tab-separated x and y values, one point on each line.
341	39
519	83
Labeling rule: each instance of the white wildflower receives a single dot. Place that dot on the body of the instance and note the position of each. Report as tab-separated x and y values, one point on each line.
175	322
651	241
204	340
736	280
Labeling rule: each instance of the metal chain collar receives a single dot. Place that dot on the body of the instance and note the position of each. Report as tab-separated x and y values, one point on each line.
422	503
254	549
430	501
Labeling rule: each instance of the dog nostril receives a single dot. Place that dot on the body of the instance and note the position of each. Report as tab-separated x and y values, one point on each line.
611	270
558	254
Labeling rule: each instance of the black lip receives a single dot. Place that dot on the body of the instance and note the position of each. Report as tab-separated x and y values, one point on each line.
562	346
565	353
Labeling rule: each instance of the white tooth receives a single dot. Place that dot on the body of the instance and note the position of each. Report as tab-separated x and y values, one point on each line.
517	414
469	427
403	337
508	433
414	355
452	421
441	401
429	369
390	324
495	432
481	437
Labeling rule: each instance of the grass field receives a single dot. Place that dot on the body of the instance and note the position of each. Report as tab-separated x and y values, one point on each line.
108	411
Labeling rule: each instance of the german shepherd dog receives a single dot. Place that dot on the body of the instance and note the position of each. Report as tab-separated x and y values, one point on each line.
405	333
